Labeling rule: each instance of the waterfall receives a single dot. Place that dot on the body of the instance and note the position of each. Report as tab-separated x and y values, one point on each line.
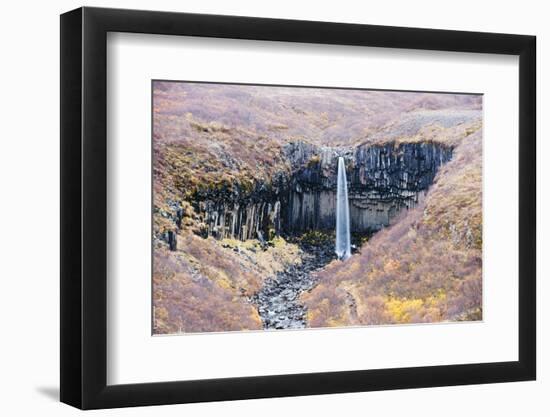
343	244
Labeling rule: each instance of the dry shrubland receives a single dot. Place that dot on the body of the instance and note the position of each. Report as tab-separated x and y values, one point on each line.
426	267
205	285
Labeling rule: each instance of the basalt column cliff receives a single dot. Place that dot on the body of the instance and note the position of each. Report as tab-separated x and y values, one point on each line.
383	180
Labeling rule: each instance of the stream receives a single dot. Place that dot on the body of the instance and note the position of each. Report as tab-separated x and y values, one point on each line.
278	301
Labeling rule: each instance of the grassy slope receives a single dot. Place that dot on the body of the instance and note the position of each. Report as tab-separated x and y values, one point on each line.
210	135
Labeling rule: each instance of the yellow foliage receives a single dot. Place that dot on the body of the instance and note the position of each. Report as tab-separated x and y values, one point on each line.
224	283
337	322
403	309
278	242
436	299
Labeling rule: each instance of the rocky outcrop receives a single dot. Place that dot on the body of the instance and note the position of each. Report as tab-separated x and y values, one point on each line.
243	212
383	180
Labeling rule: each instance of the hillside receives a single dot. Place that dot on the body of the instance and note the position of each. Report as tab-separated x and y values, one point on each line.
233	167
426	267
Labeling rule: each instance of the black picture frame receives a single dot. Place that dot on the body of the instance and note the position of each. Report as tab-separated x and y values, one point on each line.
84	207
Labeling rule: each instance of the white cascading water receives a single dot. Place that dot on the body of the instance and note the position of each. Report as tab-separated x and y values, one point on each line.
343	241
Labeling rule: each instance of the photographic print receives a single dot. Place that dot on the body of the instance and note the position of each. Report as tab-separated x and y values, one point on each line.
285	207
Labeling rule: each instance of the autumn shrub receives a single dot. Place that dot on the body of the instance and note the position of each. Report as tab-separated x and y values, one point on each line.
191	295
206	285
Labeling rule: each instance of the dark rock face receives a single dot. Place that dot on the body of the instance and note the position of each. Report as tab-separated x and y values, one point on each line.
383	180
172	240
175	214
242	213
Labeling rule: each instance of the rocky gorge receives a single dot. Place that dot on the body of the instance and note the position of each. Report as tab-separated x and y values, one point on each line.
278	301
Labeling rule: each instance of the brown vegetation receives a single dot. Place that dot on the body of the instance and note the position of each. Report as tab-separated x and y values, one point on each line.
425	268
205	285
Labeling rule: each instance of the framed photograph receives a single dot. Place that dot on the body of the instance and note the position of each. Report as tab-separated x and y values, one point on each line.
257	208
